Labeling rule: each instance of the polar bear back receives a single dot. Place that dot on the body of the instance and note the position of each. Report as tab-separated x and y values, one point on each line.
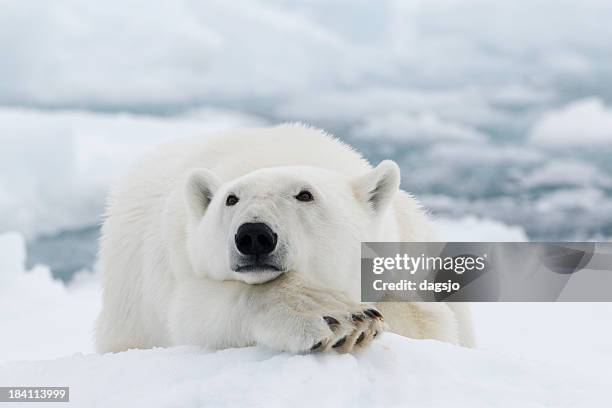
236	153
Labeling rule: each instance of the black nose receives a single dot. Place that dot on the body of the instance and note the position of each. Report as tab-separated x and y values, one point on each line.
255	239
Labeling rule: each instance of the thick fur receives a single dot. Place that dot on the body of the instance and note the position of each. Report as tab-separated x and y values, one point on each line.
167	247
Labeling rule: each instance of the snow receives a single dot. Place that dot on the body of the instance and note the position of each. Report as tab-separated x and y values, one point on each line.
41	318
477	229
575	335
585	122
56	167
394	372
529	355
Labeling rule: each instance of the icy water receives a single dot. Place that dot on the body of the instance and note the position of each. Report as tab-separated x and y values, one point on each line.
65	253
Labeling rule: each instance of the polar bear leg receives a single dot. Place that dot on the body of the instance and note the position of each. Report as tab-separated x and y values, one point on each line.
310	318
116	331
419	320
449	322
463	316
283	314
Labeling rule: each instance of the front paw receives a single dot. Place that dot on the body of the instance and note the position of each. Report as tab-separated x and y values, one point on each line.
299	318
350	331
305	326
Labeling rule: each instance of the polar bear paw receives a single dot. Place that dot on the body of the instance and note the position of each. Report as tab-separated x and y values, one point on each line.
350	331
321	329
300	318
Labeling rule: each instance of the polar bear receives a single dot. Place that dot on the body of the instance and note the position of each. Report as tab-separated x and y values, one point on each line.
253	237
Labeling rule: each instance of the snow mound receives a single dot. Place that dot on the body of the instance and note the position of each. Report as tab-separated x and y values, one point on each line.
40	317
395	371
56	166
585	122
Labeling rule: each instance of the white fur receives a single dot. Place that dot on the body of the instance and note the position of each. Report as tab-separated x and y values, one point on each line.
166	247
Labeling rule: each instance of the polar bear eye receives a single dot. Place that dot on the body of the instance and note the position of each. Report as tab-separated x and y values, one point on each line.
231	200
305	196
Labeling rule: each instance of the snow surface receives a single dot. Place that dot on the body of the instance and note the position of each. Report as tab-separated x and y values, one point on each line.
394	372
529	355
40	317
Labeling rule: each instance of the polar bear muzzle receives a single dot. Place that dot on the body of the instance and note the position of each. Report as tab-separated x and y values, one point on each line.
256	247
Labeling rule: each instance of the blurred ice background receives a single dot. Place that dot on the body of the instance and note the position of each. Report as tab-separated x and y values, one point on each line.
497	111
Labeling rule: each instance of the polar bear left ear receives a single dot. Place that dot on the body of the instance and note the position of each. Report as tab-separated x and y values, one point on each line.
199	190
378	187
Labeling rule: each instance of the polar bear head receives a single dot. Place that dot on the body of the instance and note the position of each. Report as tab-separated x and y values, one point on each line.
306	220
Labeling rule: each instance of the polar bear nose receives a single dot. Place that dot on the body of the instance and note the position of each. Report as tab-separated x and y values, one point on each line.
255	238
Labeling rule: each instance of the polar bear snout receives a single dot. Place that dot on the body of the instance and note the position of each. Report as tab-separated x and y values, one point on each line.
257	249
255	238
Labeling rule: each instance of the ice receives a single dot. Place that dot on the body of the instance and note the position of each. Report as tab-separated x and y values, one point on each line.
354	105
56	167
567	173
41	318
590	199
12	261
275	52
475	229
102	55
418	129
585	122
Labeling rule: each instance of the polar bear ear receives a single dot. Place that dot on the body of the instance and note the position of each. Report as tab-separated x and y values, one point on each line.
378	187
199	190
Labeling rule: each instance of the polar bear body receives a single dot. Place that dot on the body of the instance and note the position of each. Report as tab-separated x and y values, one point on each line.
173	275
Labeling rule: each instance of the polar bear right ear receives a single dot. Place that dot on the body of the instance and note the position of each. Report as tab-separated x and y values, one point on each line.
378	187
199	190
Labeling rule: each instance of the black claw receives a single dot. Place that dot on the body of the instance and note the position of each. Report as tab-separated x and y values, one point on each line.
340	342
360	338
316	346
331	321
357	318
375	334
369	314
373	313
